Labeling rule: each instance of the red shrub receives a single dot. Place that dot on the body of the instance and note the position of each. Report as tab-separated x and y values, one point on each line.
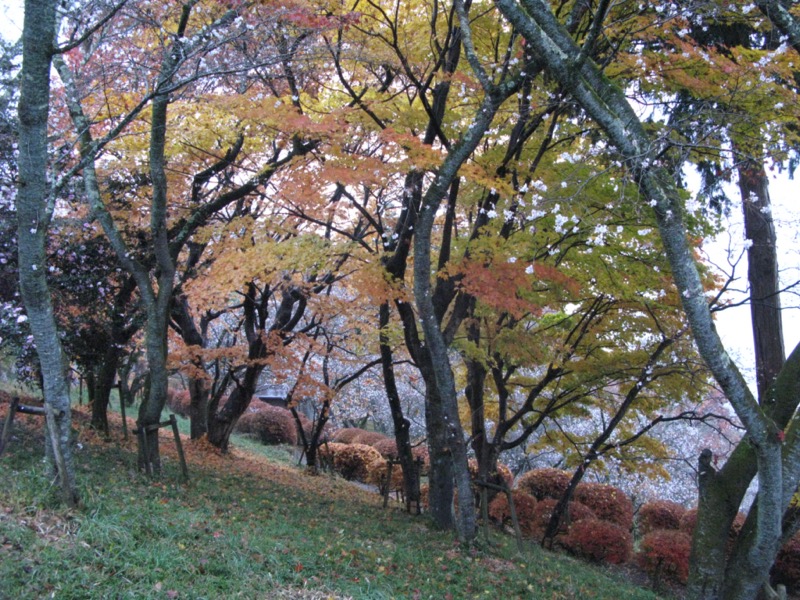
665	553
524	505
608	503
688	521
346	435
352	460
786	569
659	514
271	424
179	401
544	483
368	438
544	511
598	541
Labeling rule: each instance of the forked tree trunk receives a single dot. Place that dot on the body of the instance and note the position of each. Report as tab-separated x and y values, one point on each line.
35	205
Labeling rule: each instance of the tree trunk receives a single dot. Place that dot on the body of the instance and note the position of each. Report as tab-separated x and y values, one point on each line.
440	478
103	383
762	273
222	422
35	205
401	425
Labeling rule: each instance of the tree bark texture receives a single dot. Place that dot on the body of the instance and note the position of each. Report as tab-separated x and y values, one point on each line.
35	204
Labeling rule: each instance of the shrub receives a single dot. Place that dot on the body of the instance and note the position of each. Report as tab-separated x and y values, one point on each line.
659	514
179	401
598	541
352	460
376	475
368	438
346	435
544	511
786	570
665	553
608	503
544	483
524	505
327	452
688	521
270	424
421	452
387	448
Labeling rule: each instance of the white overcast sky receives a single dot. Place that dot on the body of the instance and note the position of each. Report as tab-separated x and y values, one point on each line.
733	324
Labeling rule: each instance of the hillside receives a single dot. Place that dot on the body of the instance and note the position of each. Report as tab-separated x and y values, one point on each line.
244	526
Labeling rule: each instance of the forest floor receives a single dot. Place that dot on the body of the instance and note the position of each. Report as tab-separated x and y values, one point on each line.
250	525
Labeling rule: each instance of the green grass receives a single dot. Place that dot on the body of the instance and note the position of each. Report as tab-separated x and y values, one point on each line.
266	532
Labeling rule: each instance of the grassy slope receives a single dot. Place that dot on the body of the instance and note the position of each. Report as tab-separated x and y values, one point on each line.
245	526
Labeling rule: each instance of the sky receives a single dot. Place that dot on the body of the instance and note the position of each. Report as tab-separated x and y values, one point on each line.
733	324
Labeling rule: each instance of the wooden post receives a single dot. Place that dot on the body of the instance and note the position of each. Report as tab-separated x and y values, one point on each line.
12	410
174	422
511	508
124	418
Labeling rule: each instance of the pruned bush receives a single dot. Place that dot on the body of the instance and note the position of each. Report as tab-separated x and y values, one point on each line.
524	505
659	514
544	483
346	435
368	438
327	452
270	424
352	460
544	511
786	570
598	541
608	503
377	471
387	448
688	521
179	401
664	553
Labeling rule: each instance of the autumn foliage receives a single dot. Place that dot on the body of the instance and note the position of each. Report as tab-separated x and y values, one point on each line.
352	461
659	514
664	553
609	503
270	424
598	541
544	483
576	511
524	505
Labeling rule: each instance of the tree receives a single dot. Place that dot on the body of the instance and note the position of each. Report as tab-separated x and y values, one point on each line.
764	444
35	204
